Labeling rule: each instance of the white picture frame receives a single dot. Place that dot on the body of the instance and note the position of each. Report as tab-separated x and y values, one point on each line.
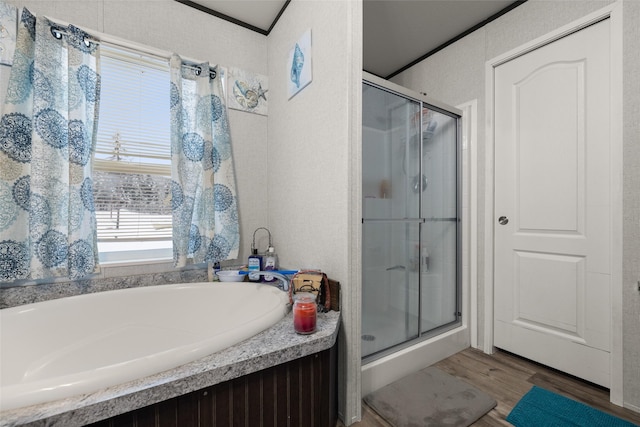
247	91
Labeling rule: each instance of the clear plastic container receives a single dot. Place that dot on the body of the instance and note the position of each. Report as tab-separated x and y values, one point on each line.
305	312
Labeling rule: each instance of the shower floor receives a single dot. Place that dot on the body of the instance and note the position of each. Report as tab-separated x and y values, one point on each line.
385	329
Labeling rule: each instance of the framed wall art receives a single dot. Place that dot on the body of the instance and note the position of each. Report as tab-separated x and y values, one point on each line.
299	65
247	91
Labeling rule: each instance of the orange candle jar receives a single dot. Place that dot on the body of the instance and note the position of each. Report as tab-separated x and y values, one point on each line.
304	313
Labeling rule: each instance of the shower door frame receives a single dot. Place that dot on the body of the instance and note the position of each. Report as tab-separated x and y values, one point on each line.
456	113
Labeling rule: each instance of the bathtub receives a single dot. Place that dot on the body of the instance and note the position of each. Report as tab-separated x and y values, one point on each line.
69	346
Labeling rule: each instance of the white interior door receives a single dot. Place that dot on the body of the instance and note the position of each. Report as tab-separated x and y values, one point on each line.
552	204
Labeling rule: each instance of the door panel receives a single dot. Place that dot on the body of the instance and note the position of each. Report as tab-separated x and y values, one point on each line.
540	275
538	128
552	184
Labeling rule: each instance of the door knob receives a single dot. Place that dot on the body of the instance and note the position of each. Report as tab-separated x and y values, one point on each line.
503	220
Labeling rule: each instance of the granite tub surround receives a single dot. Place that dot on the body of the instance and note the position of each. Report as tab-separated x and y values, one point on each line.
276	345
30	292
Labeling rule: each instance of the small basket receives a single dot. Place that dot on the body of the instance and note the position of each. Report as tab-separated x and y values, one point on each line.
327	291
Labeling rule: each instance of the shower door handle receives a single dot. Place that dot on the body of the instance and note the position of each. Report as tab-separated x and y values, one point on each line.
503	220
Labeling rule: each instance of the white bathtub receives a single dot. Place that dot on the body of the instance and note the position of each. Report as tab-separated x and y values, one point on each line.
69	346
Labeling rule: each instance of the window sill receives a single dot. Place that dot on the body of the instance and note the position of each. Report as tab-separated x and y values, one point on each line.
123	263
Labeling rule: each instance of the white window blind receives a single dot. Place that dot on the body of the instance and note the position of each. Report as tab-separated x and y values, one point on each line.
132	167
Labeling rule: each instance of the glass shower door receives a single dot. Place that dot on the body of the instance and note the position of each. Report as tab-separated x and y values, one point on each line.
411	220
439	233
391	220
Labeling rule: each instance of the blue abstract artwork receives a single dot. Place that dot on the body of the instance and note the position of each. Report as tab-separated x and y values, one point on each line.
299	65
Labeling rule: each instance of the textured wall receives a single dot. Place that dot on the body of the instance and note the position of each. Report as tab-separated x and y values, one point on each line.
457	74
631	202
308	159
307	156
174	27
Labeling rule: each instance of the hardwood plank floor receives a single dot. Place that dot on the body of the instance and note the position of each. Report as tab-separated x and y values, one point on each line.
507	378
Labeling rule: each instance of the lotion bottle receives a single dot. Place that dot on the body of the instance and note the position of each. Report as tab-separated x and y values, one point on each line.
270	263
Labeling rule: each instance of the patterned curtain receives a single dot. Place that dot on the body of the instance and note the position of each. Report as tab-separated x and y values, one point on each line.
47	136
204	201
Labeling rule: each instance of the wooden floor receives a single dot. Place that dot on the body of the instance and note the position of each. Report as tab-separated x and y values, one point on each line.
507	378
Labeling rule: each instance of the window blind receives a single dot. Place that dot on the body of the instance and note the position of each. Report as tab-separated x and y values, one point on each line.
132	166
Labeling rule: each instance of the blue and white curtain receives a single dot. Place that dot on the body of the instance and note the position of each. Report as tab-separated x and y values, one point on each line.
204	200
47	137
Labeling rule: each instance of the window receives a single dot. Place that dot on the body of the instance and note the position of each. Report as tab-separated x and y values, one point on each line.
132	166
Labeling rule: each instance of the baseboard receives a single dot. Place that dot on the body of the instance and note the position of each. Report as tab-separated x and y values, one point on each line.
632	407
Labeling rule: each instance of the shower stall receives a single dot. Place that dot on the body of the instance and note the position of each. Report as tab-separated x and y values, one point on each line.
411	225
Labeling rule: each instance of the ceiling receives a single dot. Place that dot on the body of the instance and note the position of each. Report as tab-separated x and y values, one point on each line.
396	32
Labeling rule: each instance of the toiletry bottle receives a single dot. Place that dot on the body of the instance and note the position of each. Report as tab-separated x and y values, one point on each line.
270	263
255	264
216	268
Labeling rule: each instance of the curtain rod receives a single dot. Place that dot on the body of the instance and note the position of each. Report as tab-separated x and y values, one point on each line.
130	45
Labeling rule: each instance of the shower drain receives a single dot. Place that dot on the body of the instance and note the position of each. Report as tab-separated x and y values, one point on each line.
367	337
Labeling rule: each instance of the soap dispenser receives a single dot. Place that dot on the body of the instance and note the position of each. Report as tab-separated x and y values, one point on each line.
254	264
270	263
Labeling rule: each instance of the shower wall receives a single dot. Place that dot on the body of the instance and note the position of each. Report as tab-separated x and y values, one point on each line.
385	197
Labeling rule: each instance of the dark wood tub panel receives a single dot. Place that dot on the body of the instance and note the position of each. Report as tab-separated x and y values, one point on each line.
298	393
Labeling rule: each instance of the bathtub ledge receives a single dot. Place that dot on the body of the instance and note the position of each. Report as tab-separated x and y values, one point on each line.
276	345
